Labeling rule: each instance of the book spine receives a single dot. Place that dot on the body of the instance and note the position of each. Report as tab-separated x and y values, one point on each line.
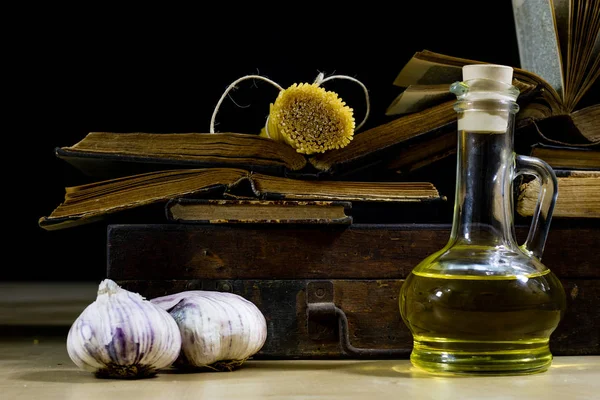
255	210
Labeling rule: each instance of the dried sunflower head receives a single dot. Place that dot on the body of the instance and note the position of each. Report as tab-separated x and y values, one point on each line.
310	119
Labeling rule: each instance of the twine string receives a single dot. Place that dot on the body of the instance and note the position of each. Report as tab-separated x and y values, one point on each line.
218	106
320	79
267	127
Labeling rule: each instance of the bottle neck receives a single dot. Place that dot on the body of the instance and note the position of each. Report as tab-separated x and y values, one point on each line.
483	201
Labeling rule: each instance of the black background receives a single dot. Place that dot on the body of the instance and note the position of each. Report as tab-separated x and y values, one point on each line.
125	71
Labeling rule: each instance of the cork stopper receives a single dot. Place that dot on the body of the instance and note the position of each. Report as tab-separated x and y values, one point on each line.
500	73
481	120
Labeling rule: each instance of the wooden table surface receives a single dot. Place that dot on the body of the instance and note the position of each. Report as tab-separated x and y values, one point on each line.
42	370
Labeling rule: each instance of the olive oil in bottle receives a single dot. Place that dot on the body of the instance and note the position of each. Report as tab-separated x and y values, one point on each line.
459	321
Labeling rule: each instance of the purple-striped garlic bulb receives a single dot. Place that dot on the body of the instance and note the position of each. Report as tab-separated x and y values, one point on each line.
122	335
219	331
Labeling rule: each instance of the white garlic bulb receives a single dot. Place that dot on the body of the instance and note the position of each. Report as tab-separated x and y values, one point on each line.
122	335
218	330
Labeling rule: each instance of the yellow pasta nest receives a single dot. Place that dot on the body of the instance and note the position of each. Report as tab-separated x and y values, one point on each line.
310	119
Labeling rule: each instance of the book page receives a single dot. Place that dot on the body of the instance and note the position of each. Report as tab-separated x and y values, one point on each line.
562	18
419	97
596	48
587	120
538	41
423	72
584	63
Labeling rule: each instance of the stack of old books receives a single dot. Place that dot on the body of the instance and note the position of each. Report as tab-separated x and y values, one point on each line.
217	178
243	213
382	165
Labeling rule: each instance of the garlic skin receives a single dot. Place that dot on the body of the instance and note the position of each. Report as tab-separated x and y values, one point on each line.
218	330
122	335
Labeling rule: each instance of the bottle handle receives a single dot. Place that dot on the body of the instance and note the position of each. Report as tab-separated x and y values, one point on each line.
542	215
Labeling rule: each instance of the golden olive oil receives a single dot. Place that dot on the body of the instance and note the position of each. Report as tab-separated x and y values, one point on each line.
483	324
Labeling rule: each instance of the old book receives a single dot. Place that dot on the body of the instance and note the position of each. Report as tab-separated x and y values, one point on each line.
90	202
578	195
562	157
359	268
273	187
93	201
211	211
430	69
107	155
558	41
110	154
538	100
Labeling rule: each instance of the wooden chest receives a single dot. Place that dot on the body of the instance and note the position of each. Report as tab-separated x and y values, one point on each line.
332	292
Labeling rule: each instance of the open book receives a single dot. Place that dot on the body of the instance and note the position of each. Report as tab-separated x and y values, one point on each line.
543	104
107	154
94	201
559	51
558	40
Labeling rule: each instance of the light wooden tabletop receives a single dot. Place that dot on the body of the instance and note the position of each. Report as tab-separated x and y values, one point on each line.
43	370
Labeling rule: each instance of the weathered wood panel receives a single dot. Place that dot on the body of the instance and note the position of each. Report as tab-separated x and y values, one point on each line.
371	307
179	251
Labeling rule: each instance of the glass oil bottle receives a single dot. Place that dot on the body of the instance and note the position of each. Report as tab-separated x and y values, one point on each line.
484	304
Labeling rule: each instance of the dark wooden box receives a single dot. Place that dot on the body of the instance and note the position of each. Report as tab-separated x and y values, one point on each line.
332	292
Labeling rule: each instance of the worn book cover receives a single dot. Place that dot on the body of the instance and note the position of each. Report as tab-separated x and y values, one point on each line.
94	201
212	211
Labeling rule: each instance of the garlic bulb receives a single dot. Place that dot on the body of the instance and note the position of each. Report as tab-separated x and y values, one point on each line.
218	330
122	335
